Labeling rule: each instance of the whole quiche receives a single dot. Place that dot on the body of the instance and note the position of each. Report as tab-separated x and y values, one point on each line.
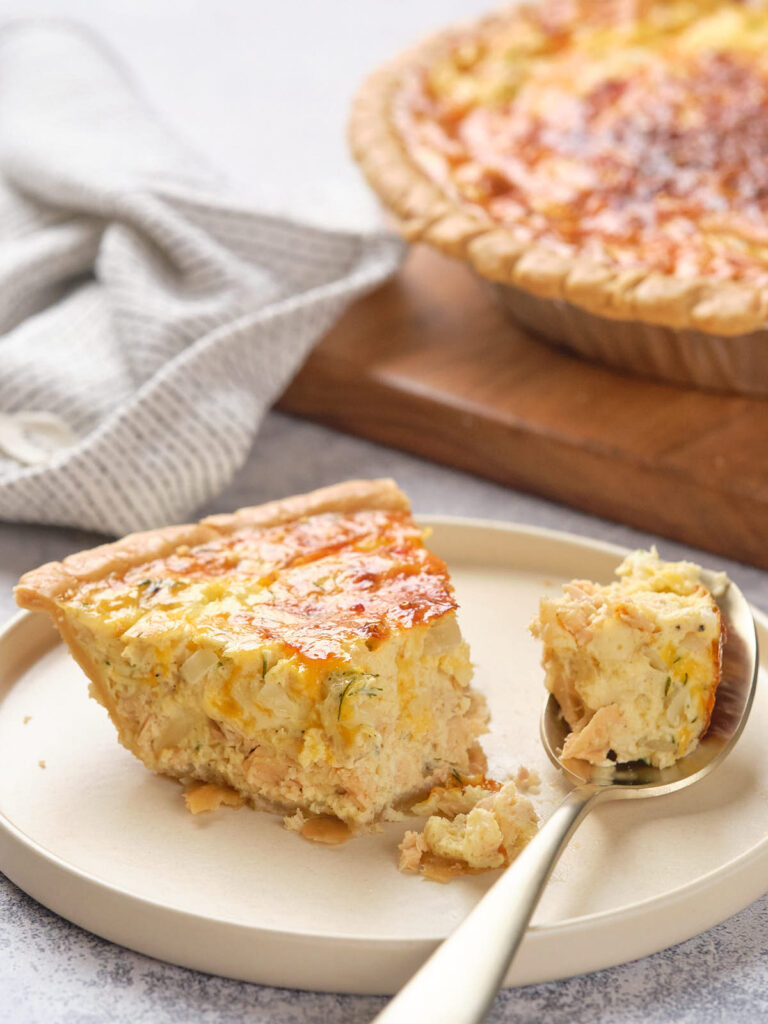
608	154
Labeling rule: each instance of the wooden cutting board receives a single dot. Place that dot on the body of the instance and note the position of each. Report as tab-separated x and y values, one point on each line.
430	364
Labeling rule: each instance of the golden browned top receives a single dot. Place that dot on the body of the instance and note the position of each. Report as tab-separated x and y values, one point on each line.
633	133
310	583
313	586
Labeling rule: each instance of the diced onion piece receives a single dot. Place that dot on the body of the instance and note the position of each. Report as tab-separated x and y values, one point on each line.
196	666
677	703
443	636
273	697
654	658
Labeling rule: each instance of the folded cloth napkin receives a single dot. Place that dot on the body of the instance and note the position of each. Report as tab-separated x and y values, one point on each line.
148	316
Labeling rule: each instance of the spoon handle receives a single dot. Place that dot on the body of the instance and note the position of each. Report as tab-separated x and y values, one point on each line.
460	980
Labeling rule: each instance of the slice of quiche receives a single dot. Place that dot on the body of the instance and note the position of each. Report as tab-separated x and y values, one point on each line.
634	665
305	653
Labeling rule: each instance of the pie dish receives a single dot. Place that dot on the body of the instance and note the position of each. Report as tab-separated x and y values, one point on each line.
634	665
303	653
603	163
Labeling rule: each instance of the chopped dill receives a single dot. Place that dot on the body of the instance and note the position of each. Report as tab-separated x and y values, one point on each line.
363	690
342	695
456	776
367	691
667	685
153	585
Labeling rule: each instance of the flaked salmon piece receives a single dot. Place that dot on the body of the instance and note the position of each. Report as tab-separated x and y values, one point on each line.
412	849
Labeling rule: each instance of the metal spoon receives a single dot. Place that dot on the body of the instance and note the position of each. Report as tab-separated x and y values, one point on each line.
460	980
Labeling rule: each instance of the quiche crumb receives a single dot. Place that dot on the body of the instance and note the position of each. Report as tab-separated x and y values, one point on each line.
209	796
475	827
392	814
326	829
528	780
294	822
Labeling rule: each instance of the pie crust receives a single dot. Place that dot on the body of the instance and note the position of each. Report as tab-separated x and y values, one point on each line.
714	279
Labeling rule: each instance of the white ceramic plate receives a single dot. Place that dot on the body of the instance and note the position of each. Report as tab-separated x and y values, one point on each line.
106	844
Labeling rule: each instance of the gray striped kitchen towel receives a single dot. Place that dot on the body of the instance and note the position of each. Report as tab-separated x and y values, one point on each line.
148	316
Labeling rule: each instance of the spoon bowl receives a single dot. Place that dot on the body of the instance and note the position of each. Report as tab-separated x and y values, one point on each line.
460	980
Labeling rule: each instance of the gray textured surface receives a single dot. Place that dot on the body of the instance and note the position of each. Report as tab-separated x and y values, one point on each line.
52	971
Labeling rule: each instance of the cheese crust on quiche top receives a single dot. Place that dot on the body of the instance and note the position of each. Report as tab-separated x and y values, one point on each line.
613	153
634	665
305	653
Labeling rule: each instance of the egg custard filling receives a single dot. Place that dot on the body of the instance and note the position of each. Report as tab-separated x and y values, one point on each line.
634	665
305	653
